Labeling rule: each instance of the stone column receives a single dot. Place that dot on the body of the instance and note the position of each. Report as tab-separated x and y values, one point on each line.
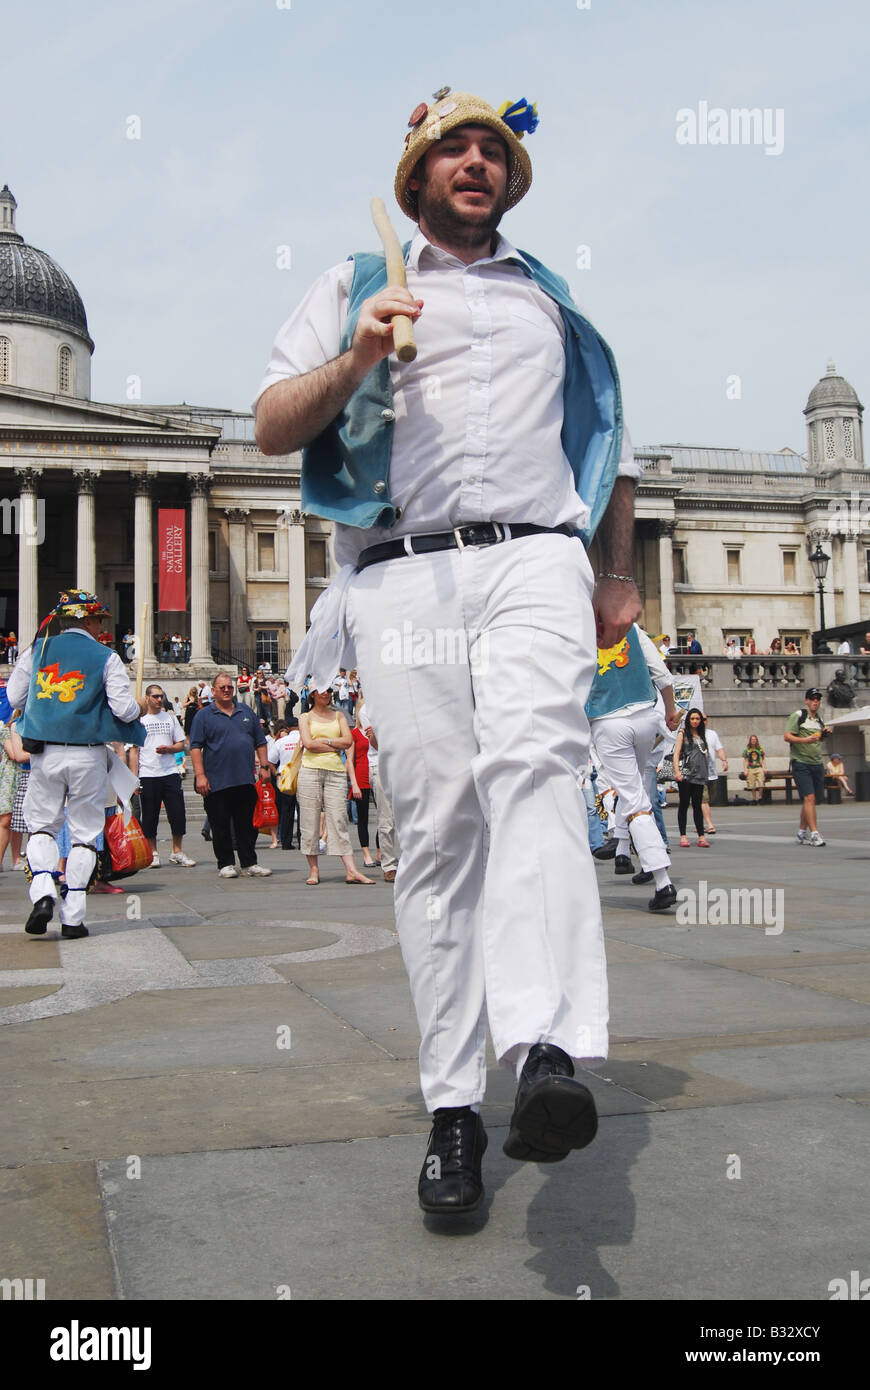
238	578
143	563
668	616
851	612
200	625
30	536
86	545
296	605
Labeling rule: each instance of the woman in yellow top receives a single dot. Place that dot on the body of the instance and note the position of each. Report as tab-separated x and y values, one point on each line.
322	785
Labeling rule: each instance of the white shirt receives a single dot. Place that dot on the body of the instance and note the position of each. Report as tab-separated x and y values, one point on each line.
478	414
160	728
844	649
115	680
714	743
365	724
286	746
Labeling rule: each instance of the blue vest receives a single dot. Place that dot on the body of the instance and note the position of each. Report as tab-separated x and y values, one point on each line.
621	678
345	470
67	701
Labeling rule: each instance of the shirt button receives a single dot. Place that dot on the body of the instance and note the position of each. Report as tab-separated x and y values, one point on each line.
388	414
380	487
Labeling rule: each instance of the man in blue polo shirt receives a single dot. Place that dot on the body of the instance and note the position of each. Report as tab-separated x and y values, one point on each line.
225	740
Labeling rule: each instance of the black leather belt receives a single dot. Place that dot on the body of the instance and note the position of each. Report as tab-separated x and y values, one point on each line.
475	533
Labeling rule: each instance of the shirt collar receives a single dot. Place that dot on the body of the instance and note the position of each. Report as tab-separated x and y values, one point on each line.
421	246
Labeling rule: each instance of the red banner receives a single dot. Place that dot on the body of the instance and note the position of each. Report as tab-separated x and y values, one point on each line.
173	560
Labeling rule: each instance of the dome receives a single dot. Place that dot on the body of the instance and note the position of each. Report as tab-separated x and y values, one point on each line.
32	285
833	389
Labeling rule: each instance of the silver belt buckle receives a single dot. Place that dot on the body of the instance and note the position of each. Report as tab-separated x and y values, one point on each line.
496	526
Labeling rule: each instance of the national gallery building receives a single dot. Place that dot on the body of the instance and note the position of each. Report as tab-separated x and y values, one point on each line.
88	490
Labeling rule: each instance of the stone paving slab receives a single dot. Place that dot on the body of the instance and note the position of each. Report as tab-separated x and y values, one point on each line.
21	952
673	998
53	1229
647	1212
793	1069
231	939
149	1033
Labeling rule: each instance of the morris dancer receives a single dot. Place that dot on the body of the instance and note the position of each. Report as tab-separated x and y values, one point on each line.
624	718
76	698
461	484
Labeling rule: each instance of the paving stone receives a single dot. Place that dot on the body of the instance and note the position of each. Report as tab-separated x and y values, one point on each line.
672	998
53	1229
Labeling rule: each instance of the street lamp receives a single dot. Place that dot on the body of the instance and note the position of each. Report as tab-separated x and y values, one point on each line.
820	561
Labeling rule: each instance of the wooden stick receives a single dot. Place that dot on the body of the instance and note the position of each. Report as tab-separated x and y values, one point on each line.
403	328
140	652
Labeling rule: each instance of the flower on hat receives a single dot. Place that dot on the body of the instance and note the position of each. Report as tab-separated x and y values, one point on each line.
519	116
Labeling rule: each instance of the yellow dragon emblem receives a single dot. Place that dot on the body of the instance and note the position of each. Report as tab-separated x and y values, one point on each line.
65	686
612	656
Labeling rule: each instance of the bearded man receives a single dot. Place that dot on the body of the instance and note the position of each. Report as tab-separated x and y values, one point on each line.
461	485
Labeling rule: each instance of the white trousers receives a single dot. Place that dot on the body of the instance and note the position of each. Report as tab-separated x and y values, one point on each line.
476	665
386	828
623	746
75	776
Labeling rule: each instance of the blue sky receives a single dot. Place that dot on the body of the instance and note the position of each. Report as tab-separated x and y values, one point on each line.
264	126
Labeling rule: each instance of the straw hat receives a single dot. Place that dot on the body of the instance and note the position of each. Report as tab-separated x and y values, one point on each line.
429	123
78	603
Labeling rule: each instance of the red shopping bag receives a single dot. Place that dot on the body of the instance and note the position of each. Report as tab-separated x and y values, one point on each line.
128	849
266	809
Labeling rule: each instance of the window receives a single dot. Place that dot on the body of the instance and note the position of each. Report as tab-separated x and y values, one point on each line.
732	558
64	371
799	639
317	557
266	550
5	360
267	646
789	566
212	551
680	573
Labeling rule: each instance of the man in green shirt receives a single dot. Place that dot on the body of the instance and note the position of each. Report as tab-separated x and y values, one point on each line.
804	733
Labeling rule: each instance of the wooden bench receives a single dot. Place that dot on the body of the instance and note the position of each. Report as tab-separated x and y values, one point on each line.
785	780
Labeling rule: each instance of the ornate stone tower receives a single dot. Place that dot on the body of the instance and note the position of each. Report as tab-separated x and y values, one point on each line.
835	433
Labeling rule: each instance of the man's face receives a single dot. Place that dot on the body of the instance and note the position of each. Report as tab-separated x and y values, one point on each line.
461	182
813	704
223	690
155	700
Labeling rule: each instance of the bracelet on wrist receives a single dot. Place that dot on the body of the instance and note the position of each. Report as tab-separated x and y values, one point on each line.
624	578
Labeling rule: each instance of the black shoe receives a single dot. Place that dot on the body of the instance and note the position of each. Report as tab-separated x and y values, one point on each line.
206	834
605	851
73	933
643	877
450	1179
553	1113
623	864
663	900
40	915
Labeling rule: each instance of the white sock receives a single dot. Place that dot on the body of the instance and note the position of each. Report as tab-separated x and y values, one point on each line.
662	878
